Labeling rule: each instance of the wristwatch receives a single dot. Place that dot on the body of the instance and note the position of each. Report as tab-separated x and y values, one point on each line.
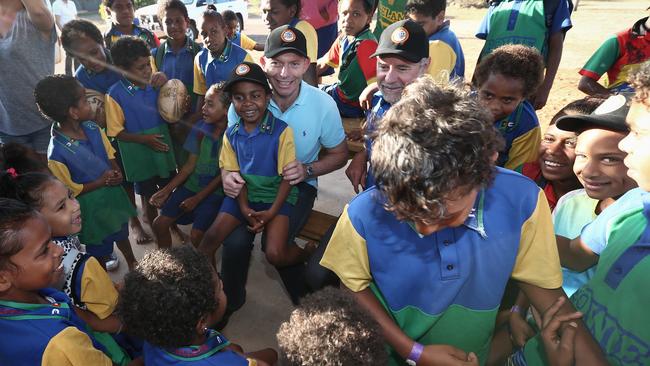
310	170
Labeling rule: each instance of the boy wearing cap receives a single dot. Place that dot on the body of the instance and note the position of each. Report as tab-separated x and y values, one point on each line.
617	56
258	146
402	56
314	118
428	251
614	303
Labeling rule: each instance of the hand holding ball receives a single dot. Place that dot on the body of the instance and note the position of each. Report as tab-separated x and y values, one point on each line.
172	100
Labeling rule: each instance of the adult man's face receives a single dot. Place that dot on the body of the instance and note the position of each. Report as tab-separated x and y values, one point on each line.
395	73
285	72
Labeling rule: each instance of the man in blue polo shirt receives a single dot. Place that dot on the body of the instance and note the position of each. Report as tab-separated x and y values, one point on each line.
315	120
402	57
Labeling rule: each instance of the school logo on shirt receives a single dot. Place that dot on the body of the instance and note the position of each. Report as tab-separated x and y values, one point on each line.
400	35
288	36
242	69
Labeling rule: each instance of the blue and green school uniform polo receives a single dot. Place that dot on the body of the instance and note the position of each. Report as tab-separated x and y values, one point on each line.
144	34
202	143
315	122
522	136
47	334
212	352
176	65
446	287
259	157
104	211
243	41
526	22
614	303
99	81
446	54
135	110
209	70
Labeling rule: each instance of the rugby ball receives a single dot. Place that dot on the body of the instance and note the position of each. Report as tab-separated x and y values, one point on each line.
172	100
96	101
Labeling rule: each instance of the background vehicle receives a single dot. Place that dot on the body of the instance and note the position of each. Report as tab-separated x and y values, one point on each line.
148	15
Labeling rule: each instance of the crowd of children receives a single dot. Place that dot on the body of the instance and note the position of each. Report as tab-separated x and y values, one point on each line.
474	238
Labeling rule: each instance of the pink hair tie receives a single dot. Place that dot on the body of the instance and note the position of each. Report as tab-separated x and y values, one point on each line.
12	172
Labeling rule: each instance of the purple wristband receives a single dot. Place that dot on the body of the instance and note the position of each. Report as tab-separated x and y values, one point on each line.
415	354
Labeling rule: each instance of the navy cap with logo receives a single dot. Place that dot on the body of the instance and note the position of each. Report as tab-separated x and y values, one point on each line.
247	71
610	115
283	39
405	39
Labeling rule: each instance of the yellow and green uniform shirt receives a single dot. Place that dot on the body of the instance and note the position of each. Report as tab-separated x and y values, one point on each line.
259	157
446	287
522	135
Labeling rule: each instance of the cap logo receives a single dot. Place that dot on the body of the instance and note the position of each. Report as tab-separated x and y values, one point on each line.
242	69
400	35
611	104
288	36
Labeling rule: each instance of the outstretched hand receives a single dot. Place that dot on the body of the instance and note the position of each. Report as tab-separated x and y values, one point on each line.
558	335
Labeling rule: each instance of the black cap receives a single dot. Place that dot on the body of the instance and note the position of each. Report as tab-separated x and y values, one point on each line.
406	39
609	115
247	71
285	38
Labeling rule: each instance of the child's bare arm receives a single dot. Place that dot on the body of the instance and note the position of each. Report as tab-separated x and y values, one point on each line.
111	324
555	46
191	203
159	198
155	142
574	254
590	86
266	356
587	351
259	47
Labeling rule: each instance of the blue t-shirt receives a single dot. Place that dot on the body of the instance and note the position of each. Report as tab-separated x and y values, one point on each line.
314	119
178	65
99	81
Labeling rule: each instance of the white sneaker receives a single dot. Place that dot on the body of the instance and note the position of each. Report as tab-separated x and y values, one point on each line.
113	263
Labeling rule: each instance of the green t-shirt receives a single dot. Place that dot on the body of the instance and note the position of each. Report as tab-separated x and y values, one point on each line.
389	12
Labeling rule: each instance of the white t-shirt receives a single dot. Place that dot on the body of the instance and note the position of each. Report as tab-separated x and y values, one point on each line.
67	10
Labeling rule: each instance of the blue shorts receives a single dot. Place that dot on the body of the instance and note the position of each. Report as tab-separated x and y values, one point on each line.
105	248
203	214
148	187
231	206
37	140
345	109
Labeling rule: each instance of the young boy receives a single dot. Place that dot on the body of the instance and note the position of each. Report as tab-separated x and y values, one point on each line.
258	146
504	79
236	36
351	53
613	304
132	118
330	328
617	56
217	60
170	300
122	15
447	59
540	24
443	223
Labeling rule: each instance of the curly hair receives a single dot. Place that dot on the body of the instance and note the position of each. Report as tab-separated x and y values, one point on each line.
126	50
436	139
513	61
429	8
13	216
55	94
585	105
212	13
330	329
640	81
229	16
224	97
27	188
165	5
77	29
165	297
